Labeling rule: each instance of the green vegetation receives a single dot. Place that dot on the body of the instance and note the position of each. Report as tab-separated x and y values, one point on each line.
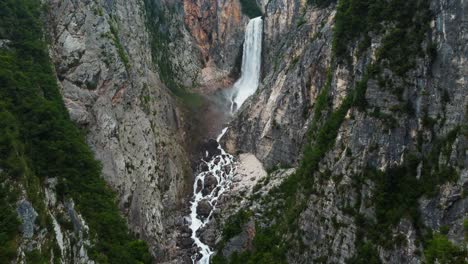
407	23
366	254
156	23
232	228
250	8
440	250
38	140
122	53
234	224
9	223
301	21
396	194
387	119
320	3
465	228
322	101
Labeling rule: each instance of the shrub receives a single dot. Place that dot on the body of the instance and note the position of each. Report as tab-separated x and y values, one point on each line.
440	250
250	8
320	3
235	223
9	223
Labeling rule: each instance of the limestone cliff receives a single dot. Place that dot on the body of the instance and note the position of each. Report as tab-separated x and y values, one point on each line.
102	55
122	66
376	124
218	28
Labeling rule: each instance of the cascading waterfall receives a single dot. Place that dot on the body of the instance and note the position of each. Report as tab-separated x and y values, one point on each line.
251	62
221	168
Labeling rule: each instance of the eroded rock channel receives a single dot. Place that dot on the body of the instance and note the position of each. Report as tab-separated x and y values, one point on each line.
218	167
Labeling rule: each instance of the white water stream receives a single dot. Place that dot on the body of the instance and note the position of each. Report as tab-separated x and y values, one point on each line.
222	166
247	84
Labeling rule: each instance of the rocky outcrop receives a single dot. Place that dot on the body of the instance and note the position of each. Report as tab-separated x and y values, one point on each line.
28	216
248	176
67	241
102	55
173	48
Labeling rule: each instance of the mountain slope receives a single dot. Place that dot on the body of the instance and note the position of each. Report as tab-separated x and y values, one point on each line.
66	209
368	100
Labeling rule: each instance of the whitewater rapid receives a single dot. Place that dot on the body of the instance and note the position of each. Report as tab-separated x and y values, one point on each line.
222	166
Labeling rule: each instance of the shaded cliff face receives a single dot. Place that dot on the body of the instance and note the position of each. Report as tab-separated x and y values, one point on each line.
196	43
385	156
218	29
112	89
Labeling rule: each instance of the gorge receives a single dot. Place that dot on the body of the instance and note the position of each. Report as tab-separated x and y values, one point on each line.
221	167
233	131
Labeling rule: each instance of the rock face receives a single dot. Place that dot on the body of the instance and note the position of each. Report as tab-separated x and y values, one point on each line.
28	216
218	29
248	176
102	55
113	81
70	232
273	125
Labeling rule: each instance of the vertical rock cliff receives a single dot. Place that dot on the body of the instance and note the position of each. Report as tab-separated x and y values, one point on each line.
125	69
218	29
111	87
369	103
55	205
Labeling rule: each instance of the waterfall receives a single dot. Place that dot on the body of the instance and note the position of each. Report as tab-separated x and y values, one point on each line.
251	61
216	176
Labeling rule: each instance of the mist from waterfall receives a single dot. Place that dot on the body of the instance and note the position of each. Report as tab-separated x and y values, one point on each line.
248	82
